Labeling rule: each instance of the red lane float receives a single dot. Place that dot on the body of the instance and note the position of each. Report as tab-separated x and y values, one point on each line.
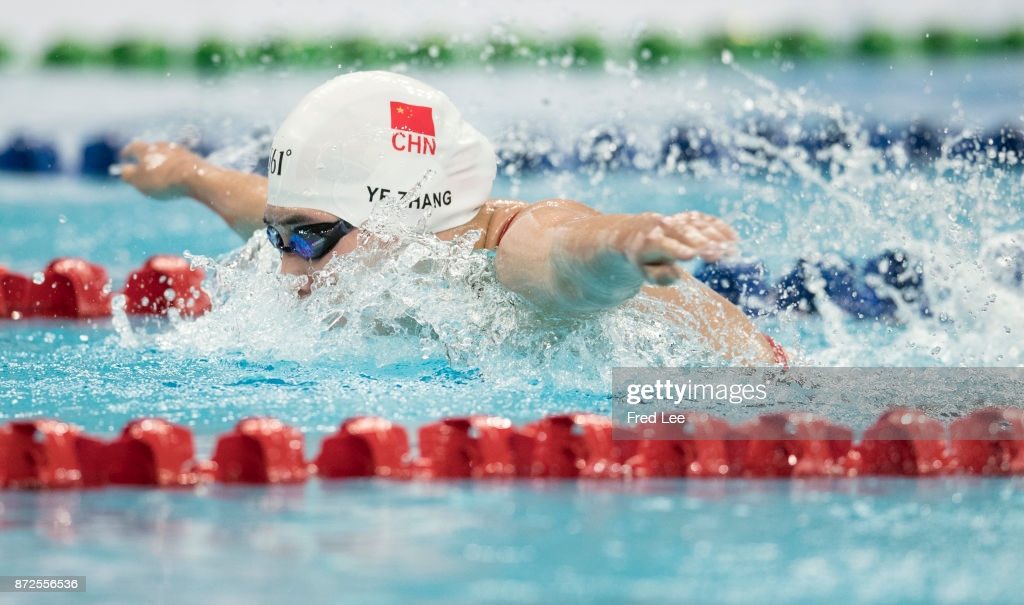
365	447
471	447
793	444
603	456
702	454
548	448
166	282
989	442
71	288
67	288
153	452
902	442
493	440
5	310
566	446
48	453
260	450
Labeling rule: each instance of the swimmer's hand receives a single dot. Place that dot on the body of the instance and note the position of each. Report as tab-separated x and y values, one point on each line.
654	243
160	170
564	256
167	170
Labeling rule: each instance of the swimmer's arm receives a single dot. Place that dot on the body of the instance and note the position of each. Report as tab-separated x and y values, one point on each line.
722	324
565	256
166	170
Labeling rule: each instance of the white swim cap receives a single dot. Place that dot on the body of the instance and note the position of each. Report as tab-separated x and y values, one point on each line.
363	137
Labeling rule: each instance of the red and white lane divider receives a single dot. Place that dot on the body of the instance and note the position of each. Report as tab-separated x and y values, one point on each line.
75	289
903	442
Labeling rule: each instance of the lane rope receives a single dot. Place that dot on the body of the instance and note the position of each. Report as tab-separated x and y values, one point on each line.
45	453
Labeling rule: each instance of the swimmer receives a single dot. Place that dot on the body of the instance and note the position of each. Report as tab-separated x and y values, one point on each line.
363	137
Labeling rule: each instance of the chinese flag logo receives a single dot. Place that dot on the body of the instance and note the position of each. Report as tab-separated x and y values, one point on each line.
412	118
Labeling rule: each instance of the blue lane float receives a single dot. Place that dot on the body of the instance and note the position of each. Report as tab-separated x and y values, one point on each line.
819	142
1007	139
742	282
606	149
1005	146
896	278
1003	258
28	155
923	142
886	283
843	286
611	148
520	151
687	144
98	155
791	293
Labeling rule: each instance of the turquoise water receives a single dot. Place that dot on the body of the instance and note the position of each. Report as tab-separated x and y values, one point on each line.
414	349
879	541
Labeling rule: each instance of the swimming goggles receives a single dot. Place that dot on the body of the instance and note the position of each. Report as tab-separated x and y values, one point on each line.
310	241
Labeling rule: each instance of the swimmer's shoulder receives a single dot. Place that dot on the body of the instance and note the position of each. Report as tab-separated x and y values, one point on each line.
492	220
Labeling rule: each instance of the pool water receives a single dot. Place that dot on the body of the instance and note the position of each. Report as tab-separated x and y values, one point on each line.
422	341
869	540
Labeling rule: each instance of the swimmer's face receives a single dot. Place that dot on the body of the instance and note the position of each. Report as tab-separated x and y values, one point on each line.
287	220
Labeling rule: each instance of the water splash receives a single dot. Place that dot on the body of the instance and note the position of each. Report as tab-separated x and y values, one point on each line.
801	177
407	297
813	182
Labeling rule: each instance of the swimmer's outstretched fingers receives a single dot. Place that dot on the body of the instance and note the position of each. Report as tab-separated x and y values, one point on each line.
164	170
655	242
159	170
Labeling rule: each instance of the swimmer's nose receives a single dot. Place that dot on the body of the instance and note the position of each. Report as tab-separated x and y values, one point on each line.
293	264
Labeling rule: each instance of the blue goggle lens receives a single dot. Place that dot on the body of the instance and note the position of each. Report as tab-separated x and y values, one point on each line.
302	247
310	241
